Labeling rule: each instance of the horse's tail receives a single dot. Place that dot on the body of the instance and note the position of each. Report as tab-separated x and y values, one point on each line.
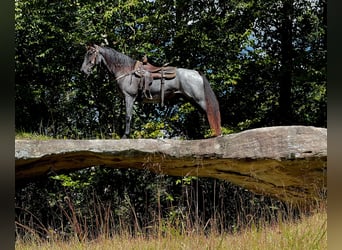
212	108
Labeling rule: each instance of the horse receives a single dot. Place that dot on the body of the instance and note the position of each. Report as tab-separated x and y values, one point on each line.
133	76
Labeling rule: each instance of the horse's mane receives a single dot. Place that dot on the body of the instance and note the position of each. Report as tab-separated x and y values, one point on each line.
117	59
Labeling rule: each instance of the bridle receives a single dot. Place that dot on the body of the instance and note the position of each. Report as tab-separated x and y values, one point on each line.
95	54
137	66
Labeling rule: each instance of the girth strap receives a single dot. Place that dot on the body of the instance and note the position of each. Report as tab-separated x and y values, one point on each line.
162	89
148	73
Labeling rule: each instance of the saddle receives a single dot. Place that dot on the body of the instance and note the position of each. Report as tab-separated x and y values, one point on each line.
165	71
149	72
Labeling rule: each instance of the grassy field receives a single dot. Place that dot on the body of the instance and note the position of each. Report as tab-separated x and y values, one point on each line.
309	233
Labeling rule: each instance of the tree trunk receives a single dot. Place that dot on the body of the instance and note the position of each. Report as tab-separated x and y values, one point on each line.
286	57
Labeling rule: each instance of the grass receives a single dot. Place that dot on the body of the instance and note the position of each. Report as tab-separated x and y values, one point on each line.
20	135
31	136
310	233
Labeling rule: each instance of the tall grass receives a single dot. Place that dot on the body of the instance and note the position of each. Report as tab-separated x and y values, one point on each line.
270	228
309	233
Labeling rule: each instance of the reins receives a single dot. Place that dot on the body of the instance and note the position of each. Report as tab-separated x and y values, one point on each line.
140	72
95	57
137	66
126	74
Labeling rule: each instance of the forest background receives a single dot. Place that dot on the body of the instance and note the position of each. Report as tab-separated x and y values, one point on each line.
265	60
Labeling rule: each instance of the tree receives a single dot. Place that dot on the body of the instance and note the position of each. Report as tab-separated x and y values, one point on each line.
285	32
260	57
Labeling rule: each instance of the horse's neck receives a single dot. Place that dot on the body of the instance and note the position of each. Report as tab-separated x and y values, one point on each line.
121	66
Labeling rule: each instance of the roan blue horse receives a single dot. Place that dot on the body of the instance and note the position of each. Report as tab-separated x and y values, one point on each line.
136	78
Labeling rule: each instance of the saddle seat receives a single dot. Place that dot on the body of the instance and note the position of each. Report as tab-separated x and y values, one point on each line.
158	72
165	71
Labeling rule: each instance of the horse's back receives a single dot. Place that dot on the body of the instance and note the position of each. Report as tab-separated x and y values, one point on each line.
188	74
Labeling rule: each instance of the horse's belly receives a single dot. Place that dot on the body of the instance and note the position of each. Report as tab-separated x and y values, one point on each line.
170	86
154	90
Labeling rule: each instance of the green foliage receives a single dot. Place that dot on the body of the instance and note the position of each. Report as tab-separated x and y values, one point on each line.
239	45
153	129
102	202
68	181
186	180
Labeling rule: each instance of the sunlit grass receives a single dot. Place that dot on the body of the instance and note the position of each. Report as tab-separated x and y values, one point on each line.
309	233
31	136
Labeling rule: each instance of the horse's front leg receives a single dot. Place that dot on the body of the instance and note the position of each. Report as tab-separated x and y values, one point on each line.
129	101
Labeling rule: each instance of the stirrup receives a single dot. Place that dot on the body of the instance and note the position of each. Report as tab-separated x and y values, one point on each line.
147	96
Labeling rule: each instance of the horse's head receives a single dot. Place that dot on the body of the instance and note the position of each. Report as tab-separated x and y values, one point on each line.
91	58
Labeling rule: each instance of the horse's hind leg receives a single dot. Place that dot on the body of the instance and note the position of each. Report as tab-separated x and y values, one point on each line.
129	101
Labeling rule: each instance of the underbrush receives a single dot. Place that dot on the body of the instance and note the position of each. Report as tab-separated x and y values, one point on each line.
128	209
309	233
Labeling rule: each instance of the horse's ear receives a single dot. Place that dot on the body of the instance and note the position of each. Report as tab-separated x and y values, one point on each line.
89	46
